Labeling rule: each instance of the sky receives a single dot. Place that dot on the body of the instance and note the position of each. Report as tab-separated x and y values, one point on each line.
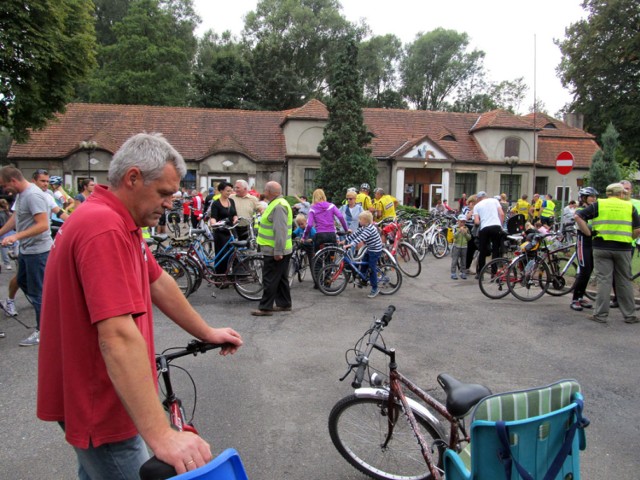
514	34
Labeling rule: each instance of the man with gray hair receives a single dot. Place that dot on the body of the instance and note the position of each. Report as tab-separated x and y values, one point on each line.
615	224
96	369
246	206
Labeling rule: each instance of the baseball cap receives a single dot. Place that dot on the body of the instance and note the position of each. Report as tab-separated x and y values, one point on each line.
615	189
462	218
481	194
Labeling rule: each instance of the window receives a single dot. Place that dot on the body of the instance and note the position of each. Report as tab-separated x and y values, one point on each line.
449	137
563	193
309	181
465	183
512	147
189	180
550	126
542	185
510	184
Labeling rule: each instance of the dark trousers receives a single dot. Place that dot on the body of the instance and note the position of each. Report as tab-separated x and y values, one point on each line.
30	278
320	241
585	267
275	280
489	236
472	247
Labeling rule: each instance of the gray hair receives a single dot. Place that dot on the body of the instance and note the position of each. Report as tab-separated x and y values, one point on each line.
150	152
244	183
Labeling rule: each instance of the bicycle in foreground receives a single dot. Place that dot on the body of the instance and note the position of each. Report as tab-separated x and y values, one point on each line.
228	462
376	428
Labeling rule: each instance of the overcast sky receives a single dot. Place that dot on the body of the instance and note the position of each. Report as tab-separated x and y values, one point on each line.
503	29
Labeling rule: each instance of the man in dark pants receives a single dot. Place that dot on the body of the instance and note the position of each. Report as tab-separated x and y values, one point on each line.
488	214
274	239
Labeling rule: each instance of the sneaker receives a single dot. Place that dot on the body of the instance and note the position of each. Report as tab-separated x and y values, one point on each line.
575	305
631	320
585	303
613	304
373	293
597	319
454	276
9	308
2	335
32	340
8	267
463	276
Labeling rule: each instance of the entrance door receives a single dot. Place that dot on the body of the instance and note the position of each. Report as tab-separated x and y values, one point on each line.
435	194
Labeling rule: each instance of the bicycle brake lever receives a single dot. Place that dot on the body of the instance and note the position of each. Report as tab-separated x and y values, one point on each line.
347	374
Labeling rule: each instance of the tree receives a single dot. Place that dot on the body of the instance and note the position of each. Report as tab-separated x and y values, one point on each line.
600	64
45	48
293	43
379	57
107	14
435	64
222	75
345	160
150	61
604	168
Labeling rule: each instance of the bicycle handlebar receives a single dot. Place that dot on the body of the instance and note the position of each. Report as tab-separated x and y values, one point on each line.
362	359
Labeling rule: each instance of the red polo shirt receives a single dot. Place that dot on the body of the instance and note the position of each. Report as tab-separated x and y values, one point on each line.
99	268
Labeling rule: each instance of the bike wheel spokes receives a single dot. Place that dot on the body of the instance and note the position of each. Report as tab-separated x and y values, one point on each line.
389	278
178	271
493	278
248	277
528	282
408	260
563	277
440	245
333	279
359	428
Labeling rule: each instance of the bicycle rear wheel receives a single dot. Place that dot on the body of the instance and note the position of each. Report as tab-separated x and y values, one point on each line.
408	260
420	244
493	278
333	279
248	275
528	284
563	277
440	245
359	428
303	266
178	271
389	277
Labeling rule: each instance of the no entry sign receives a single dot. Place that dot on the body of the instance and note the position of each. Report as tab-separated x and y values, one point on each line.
564	163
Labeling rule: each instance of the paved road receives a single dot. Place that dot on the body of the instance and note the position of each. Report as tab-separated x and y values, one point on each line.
271	400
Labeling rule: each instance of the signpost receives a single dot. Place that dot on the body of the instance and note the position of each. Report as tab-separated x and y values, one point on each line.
564	165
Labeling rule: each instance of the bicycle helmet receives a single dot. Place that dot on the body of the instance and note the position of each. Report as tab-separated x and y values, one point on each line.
55	180
587	192
365	186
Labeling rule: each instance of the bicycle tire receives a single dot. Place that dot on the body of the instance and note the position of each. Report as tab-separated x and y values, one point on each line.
333	279
495	286
358	427
562	284
328	254
178	271
303	266
420	244
440	245
194	269
408	260
528	287
389	277
248	274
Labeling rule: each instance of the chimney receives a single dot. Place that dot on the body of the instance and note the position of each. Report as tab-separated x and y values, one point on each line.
575	120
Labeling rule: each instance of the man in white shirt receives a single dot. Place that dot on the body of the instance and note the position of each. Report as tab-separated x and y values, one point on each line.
488	214
246	206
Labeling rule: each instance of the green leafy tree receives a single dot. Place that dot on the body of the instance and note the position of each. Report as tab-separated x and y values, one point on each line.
45	48
379	58
293	43
600	64
150	61
345	160
604	168
222	74
107	14
435	64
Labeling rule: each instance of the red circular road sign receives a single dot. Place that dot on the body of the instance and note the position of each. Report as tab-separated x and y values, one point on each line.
564	163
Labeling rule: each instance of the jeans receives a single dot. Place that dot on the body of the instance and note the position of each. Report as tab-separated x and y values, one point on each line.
371	260
31	277
112	461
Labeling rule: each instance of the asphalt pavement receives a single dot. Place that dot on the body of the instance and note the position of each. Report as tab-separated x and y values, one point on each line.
272	399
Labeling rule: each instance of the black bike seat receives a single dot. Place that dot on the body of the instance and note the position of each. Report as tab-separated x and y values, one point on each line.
161	237
461	397
239	243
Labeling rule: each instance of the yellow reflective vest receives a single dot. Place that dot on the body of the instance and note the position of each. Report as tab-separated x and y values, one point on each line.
266	235
549	210
615	220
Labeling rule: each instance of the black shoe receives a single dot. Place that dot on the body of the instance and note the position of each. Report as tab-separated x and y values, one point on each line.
575	305
613	304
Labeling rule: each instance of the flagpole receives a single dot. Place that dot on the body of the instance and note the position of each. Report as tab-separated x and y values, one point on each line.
535	109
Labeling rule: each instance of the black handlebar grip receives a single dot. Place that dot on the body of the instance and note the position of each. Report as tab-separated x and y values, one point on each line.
388	314
357	382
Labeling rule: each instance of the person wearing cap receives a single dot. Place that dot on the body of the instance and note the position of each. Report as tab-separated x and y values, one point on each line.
489	216
615	224
384	205
363	197
459	249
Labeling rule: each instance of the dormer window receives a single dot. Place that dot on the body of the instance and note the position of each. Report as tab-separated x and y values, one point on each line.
551	126
512	147
449	137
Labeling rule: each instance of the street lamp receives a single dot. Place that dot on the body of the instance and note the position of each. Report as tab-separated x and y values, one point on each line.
90	147
511	162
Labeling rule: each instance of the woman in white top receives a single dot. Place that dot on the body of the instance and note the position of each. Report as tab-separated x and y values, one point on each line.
351	211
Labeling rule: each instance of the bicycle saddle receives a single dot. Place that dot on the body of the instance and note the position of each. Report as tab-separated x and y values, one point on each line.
461	397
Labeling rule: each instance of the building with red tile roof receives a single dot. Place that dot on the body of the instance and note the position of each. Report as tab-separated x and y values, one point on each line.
422	156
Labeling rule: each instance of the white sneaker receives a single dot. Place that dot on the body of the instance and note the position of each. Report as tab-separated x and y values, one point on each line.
9	308
8	267
32	340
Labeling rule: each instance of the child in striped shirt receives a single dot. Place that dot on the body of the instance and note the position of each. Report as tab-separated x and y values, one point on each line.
369	235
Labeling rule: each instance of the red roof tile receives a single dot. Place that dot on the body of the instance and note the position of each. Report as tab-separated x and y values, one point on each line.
501	119
312	110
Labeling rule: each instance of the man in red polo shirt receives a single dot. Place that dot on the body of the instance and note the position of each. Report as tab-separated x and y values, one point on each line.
96	368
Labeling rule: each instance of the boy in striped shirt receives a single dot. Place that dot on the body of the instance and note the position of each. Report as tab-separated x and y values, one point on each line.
369	235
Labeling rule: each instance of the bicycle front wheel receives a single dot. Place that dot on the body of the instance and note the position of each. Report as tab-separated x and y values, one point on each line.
563	277
248	276
333	279
528	284
408	260
493	278
440	245
389	277
359	428
420	244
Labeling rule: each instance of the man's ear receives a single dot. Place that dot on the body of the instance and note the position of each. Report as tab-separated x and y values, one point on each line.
132	177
